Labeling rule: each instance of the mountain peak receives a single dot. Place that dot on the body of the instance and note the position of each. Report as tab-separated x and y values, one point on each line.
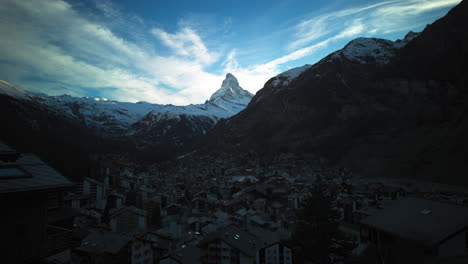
408	37
230	76
230	94
230	90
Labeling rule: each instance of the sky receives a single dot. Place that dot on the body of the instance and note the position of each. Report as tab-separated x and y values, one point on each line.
178	52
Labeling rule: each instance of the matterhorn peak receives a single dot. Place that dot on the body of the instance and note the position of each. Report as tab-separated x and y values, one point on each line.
230	90
230	76
230	93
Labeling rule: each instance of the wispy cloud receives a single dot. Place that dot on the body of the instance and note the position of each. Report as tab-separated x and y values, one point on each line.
385	17
68	53
187	43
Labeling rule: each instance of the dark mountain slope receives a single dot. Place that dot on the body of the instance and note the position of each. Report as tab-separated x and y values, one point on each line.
404	117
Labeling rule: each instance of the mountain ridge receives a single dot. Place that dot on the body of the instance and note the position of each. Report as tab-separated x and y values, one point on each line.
99	112
143	123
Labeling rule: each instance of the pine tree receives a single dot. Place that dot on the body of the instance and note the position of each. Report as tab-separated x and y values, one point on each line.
317	226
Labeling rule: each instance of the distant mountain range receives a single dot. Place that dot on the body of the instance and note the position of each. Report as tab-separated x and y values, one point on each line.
149	124
380	108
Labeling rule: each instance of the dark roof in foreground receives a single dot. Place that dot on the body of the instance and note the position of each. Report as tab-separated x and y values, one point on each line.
424	221
29	173
100	241
4	148
236	238
189	255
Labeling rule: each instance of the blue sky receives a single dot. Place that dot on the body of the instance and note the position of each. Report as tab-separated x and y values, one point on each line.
178	52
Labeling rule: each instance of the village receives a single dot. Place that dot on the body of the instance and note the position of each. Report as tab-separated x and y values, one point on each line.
207	210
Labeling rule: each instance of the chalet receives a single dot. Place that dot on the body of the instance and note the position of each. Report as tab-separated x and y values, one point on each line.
101	246
128	219
295	200
97	191
276	253
199	204
115	200
186	255
29	191
230	245
169	260
160	243
195	224
210	197
415	230
276	208
173	209
259	204
77	200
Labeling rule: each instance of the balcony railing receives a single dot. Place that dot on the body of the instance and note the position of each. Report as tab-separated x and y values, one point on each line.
58	239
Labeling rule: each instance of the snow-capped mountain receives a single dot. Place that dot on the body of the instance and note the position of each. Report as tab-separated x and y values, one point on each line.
231	97
101	112
182	123
149	122
373	50
284	78
360	50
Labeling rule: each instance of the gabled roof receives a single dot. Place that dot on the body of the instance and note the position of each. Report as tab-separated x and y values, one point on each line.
189	255
236	238
29	173
424	221
99	241
117	212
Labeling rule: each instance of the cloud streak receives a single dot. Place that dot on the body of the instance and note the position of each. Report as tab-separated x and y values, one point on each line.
381	18
68	53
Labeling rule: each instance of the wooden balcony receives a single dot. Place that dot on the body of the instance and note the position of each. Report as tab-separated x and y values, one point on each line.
59	239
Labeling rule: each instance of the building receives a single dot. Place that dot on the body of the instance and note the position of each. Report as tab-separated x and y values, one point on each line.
415	230
295	200
187	255
29	189
97	190
276	253
128	219
230	245
101	246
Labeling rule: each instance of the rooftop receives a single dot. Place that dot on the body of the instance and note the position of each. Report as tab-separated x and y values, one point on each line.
100	241
28	173
424	221
236	238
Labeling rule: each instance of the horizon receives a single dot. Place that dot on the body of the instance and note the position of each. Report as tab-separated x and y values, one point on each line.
110	99
179	53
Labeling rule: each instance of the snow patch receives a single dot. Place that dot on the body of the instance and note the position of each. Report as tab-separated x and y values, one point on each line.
288	76
372	50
